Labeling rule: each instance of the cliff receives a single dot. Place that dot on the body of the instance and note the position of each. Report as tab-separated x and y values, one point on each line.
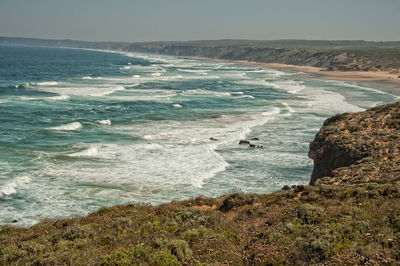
350	215
340	56
358	148
291	56
329	55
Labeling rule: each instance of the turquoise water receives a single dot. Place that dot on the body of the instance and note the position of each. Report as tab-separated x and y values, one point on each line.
83	129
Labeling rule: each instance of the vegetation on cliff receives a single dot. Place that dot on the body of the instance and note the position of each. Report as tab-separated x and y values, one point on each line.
350	216
312	224
359	147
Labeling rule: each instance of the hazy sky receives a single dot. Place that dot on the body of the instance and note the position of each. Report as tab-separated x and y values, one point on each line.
148	20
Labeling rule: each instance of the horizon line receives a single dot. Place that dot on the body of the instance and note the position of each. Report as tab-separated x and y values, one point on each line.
201	40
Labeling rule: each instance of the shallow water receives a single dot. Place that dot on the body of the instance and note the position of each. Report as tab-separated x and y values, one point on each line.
85	129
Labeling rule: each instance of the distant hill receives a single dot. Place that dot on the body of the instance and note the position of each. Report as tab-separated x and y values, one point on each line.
299	44
339	55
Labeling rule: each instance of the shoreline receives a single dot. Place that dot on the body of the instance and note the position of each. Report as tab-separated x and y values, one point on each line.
383	81
267	65
289	221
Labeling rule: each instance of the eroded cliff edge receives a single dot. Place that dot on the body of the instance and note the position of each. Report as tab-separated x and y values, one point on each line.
358	147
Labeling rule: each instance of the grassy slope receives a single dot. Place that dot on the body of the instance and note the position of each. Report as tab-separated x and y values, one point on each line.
311	224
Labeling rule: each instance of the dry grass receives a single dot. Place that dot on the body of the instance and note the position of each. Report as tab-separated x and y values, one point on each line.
324	224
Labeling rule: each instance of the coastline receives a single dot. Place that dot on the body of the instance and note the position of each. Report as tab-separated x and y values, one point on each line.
289	226
347	214
380	80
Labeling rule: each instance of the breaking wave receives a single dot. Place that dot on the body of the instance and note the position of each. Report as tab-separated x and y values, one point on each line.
67	127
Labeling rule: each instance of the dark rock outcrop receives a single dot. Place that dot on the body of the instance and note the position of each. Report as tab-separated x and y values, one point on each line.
249	144
358	147
244	142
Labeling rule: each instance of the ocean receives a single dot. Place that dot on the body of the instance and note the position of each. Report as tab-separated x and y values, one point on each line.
84	129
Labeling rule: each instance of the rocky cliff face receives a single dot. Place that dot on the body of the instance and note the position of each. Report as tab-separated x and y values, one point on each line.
358	147
291	56
329	59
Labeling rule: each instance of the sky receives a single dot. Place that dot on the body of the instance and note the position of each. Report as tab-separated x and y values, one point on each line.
166	20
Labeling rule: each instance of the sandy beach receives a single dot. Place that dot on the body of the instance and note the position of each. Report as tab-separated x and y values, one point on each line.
380	80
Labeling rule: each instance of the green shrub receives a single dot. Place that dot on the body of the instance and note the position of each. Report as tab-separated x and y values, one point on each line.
195	233
11	254
76	231
163	258
180	249
140	255
236	200
309	214
7	230
336	118
232	236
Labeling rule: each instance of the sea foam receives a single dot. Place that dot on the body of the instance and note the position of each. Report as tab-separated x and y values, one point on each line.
67	127
197	71
186	142
59	97
90	152
105	122
10	188
111	91
206	92
94	91
91	78
47	83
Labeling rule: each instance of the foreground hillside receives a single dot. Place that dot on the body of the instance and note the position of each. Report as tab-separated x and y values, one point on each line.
350	215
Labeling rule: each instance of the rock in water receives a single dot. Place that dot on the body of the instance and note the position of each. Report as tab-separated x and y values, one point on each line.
244	142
